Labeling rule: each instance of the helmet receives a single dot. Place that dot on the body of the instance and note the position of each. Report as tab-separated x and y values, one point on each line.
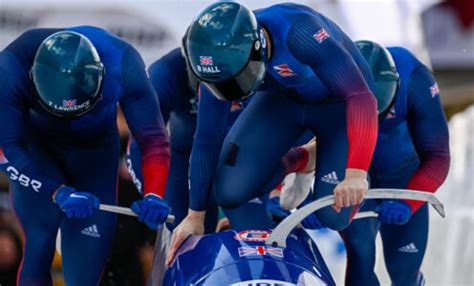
193	81
385	74
225	49
67	74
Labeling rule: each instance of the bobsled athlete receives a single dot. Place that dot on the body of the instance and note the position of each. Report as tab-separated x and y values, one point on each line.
177	92
412	152
314	78
177	89
60	144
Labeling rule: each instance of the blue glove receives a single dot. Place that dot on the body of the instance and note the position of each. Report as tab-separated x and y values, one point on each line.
76	204
152	211
275	211
394	212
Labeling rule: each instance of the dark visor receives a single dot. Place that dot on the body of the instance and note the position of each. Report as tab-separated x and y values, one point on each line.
241	86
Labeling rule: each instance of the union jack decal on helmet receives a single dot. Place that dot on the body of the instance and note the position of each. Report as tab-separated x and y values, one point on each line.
206	60
69	103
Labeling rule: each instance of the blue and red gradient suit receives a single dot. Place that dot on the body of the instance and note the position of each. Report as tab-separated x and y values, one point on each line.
178	96
316	80
412	152
41	152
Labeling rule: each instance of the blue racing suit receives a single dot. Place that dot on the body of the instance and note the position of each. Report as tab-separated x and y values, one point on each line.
412	152
40	152
177	93
316	81
178	96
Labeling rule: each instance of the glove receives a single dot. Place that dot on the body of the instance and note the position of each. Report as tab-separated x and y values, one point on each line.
394	212
151	210
275	211
76	204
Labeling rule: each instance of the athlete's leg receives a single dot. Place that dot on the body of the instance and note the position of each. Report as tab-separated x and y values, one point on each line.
252	150
328	122
404	248
86	242
359	240
39	219
251	215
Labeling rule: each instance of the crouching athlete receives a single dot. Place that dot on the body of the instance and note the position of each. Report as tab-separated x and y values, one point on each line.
60	145
177	89
412	152
314	78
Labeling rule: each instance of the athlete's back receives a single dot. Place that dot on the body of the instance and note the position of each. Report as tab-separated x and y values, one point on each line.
18	59
284	66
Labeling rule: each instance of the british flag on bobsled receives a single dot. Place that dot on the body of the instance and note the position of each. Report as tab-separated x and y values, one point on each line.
286	256
243	259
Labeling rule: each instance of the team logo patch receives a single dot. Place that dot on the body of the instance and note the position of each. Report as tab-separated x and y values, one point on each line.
321	35
206	65
434	89
331	178
253	235
69	103
260	250
206	61
284	70
409	248
91	231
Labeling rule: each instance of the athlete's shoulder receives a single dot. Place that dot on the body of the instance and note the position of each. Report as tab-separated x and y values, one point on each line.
101	38
403	58
172	61
283	8
25	46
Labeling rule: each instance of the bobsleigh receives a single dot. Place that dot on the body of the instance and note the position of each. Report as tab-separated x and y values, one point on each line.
282	257
242	258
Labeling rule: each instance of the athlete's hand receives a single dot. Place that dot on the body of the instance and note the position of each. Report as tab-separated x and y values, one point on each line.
275	211
193	223
352	190
75	204
394	212
151	210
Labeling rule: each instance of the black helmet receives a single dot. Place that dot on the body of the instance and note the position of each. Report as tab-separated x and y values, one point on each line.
67	74
385	74
225	50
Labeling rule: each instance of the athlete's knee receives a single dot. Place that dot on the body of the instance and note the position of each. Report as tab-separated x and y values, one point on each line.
333	220
229	191
37	258
404	274
229	198
360	249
